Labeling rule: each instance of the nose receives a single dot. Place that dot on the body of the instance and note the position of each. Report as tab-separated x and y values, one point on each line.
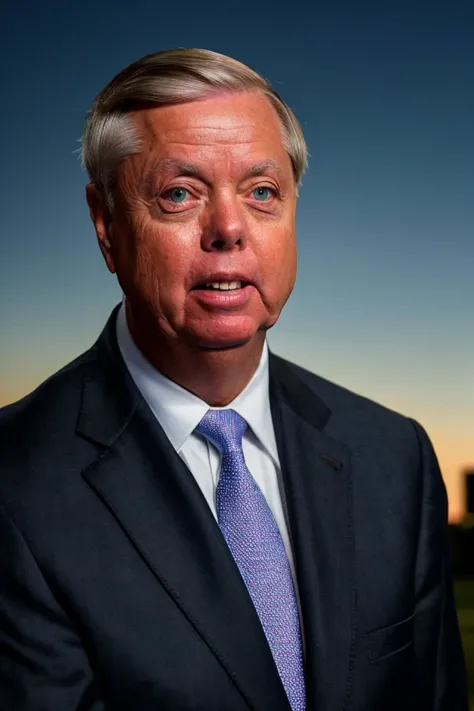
226	225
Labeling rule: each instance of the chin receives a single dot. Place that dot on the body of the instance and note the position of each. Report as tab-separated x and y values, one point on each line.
231	333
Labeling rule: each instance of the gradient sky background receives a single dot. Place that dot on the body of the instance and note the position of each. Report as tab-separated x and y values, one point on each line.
384	92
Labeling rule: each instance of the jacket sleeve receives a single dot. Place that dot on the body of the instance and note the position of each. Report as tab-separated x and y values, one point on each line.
43	666
440	666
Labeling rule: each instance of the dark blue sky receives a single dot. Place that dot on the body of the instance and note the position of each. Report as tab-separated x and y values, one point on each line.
384	92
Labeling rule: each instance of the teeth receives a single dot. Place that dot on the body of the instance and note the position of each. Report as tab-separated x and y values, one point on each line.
226	285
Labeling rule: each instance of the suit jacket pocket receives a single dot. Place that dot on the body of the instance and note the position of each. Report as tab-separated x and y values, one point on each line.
389	640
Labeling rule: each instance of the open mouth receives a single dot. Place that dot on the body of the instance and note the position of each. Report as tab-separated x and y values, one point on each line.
223	286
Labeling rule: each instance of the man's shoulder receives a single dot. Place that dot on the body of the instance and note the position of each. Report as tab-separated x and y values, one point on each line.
48	398
41	454
42	424
365	427
348	407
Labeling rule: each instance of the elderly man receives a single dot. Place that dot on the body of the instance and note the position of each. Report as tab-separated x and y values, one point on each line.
187	520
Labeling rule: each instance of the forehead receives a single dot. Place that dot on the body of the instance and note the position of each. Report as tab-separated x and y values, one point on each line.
231	129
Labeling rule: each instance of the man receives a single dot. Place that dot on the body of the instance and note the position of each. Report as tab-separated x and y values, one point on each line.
187	520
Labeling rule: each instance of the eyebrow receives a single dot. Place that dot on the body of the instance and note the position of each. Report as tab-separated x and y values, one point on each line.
175	166
263	167
189	170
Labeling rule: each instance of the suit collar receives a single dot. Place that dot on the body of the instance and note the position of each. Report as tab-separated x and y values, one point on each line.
287	386
179	411
110	394
109	397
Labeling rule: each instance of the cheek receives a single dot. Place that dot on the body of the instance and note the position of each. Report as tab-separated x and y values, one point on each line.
172	257
155	256
279	263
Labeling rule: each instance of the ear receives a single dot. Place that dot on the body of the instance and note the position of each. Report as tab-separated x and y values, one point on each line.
101	216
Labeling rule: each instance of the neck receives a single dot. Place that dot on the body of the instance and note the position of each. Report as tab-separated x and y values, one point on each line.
215	376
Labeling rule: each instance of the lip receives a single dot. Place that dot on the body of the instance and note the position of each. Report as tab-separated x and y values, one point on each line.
227	300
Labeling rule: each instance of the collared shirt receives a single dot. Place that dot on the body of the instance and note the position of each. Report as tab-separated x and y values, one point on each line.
179	412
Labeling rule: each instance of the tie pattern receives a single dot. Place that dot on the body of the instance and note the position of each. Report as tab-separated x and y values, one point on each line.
254	540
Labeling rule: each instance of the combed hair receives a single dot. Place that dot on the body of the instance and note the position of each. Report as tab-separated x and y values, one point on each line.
171	77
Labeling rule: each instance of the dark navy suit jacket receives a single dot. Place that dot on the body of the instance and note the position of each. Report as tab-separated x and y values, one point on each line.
117	590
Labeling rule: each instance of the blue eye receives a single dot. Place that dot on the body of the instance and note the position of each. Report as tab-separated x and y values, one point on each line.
178	195
261	193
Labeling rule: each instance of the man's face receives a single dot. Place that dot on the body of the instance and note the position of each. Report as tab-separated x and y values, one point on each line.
210	199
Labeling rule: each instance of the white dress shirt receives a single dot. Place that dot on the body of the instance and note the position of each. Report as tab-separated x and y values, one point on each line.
179	412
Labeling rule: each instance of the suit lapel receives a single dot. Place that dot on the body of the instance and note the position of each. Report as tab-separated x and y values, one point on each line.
317	480
159	505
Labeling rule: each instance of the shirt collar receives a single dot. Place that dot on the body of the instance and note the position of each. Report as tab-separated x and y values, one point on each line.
179	411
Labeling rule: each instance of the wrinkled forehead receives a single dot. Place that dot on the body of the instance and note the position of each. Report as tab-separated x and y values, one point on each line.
236	133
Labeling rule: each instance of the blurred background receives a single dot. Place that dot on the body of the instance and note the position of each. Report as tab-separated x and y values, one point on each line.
385	292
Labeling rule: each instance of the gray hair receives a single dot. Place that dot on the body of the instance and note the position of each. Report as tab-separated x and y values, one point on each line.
171	77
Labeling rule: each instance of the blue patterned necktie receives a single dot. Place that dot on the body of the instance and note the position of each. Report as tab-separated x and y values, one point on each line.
254	539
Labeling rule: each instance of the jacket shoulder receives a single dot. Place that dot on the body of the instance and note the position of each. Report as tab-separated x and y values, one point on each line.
48	397
349	408
39	429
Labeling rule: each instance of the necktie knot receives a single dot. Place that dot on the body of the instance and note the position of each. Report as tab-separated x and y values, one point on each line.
224	428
